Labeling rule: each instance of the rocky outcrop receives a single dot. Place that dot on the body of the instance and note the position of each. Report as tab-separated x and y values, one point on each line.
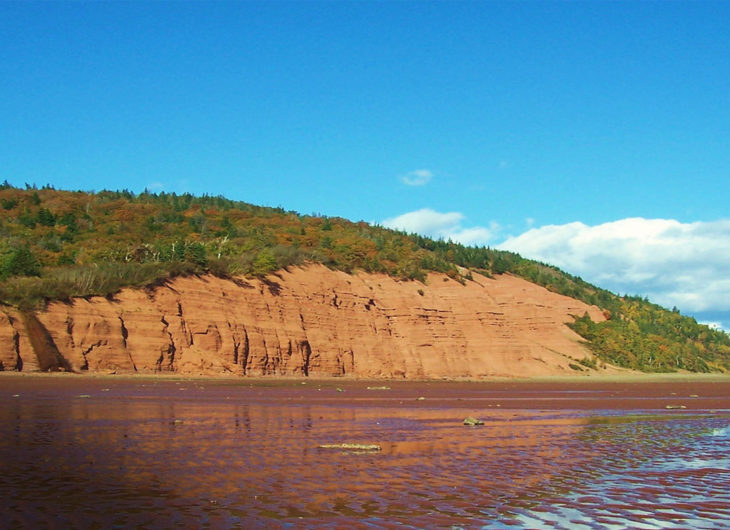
13	341
310	322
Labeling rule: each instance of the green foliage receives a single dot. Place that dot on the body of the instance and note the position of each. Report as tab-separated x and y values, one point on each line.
9	204
264	263
195	253
57	245
45	217
646	337
103	279
18	261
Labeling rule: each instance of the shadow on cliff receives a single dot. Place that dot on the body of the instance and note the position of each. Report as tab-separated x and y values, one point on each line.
49	358
273	287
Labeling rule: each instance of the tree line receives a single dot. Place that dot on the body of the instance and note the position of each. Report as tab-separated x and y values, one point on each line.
56	245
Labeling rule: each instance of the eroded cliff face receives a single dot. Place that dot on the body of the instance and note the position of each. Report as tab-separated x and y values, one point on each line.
307	321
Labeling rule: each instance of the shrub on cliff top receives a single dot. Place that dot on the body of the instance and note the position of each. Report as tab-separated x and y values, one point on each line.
57	245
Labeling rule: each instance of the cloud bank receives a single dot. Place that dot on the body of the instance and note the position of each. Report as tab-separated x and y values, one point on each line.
439	225
673	263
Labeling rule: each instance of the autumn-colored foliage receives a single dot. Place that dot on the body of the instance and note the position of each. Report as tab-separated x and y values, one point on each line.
56	245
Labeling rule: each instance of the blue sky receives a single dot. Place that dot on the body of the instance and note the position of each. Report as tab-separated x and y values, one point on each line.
563	130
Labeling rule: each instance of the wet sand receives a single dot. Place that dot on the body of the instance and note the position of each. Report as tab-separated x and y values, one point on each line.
631	392
85	451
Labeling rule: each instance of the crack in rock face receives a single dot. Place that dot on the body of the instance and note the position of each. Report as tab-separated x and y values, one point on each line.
312	322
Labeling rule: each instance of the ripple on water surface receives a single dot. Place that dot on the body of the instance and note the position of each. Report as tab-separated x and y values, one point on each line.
223	459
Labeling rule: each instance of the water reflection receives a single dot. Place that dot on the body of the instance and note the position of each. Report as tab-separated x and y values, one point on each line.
182	454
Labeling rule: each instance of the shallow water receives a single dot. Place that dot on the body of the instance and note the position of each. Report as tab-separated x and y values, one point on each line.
196	453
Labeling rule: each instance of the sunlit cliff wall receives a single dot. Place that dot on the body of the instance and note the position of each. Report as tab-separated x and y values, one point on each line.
309	322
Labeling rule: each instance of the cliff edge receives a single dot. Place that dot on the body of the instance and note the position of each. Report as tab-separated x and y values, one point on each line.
309	321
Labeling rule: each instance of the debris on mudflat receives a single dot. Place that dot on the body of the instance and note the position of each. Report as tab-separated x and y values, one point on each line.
472	421
352	447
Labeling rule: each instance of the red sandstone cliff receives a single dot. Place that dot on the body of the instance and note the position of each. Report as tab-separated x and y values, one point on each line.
307	321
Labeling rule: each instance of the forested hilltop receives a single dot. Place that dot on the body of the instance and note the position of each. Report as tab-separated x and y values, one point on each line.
56	245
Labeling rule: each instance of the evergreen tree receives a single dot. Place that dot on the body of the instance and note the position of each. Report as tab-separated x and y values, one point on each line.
19	261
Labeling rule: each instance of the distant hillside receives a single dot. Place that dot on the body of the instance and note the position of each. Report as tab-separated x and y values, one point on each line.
57	245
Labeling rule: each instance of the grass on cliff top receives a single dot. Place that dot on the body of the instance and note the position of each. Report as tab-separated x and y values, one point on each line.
57	245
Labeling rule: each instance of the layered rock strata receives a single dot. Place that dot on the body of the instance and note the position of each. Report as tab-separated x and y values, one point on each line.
308	321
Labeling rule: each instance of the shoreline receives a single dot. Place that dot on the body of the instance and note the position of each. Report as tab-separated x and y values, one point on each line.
668	393
264	380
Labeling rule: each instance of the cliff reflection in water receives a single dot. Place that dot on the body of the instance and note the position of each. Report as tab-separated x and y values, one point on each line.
180	453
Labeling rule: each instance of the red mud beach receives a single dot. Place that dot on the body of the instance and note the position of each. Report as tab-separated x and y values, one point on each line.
691	392
85	451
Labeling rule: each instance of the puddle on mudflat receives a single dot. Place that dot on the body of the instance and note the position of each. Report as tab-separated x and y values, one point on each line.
148	454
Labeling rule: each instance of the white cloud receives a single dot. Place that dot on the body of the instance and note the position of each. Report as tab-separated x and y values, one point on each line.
673	263
425	221
440	225
476	235
419	177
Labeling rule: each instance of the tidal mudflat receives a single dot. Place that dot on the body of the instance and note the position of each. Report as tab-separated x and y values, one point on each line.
85	452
